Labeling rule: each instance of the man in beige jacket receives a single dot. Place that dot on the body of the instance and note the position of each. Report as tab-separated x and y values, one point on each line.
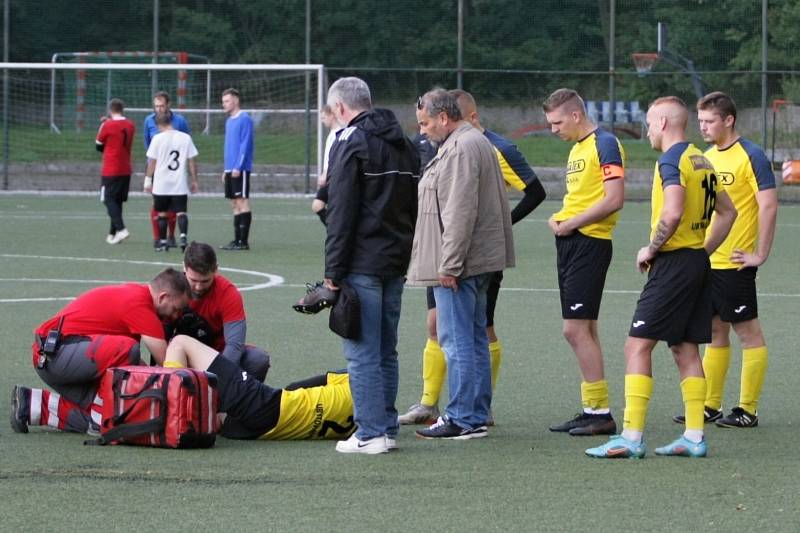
463	234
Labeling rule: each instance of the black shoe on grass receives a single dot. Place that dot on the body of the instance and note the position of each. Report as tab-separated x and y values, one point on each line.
709	415
445	429
235	246
587	424
20	408
739	418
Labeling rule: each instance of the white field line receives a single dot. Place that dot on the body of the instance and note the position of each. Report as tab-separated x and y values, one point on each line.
272	279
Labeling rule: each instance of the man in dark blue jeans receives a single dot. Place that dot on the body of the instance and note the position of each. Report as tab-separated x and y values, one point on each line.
372	208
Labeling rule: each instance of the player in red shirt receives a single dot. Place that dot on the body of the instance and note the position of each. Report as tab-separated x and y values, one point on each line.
100	329
115	140
217	315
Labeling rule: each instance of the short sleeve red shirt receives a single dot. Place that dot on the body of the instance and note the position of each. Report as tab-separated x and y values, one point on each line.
223	303
116	135
125	310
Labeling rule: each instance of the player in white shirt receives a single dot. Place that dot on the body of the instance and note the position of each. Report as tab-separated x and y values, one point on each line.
320	203
170	155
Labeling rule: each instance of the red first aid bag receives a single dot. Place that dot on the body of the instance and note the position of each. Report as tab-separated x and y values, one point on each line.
161	407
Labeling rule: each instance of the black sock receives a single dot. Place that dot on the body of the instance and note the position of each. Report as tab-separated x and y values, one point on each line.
244	226
162	228
183	223
236	226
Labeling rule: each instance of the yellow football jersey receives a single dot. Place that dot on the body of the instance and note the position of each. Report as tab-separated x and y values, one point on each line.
594	159
324	412
685	165
743	168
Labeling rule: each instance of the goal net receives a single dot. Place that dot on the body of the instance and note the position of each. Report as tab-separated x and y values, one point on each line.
54	111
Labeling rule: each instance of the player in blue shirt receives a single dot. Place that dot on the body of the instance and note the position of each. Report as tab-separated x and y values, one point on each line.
150	129
238	164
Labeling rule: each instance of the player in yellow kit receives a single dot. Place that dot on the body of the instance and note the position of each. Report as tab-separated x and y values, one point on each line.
583	227
674	305
747	175
317	408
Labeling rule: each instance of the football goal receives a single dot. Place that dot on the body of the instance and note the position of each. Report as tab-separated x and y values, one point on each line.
53	111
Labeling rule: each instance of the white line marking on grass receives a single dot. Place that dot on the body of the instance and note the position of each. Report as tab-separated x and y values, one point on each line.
57	280
273	280
25	300
532	289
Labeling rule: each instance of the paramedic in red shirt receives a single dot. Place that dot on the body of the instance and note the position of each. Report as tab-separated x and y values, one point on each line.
217	316
100	329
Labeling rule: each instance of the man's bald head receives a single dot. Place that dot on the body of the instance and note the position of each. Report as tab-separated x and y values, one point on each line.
666	122
467	106
466	102
673	109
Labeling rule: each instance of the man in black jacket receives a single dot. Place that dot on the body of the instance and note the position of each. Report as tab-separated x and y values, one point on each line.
372	208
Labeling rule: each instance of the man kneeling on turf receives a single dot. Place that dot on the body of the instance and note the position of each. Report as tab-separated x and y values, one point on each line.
320	407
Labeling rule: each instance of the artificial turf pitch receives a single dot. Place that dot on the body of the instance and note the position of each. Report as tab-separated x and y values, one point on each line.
520	478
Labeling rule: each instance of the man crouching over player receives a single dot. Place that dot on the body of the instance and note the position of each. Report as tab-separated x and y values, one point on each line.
216	315
320	407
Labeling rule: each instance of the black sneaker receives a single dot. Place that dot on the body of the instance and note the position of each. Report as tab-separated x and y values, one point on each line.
709	415
183	242
445	429
171	242
317	298
585	424
20	408
599	424
162	246
235	246
739	418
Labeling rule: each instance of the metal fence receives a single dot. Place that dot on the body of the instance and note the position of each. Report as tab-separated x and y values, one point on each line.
509	53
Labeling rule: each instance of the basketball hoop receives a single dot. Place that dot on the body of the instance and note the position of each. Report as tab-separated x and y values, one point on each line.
644	62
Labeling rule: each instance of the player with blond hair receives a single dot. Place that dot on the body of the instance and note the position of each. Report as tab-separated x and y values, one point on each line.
583	229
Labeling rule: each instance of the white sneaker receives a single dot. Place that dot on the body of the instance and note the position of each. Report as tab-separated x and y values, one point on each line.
419	414
371	446
110	239
120	236
391	444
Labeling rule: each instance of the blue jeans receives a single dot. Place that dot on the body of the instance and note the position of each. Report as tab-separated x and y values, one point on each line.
461	326
372	358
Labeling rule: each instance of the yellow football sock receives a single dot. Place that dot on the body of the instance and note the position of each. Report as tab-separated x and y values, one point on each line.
173	364
638	389
496	355
754	368
434	369
716	361
594	395
693	390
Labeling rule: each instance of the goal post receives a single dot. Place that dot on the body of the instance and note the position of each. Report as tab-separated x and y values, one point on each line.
49	138
121	57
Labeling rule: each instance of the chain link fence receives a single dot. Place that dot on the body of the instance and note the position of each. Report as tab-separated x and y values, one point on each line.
509	53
